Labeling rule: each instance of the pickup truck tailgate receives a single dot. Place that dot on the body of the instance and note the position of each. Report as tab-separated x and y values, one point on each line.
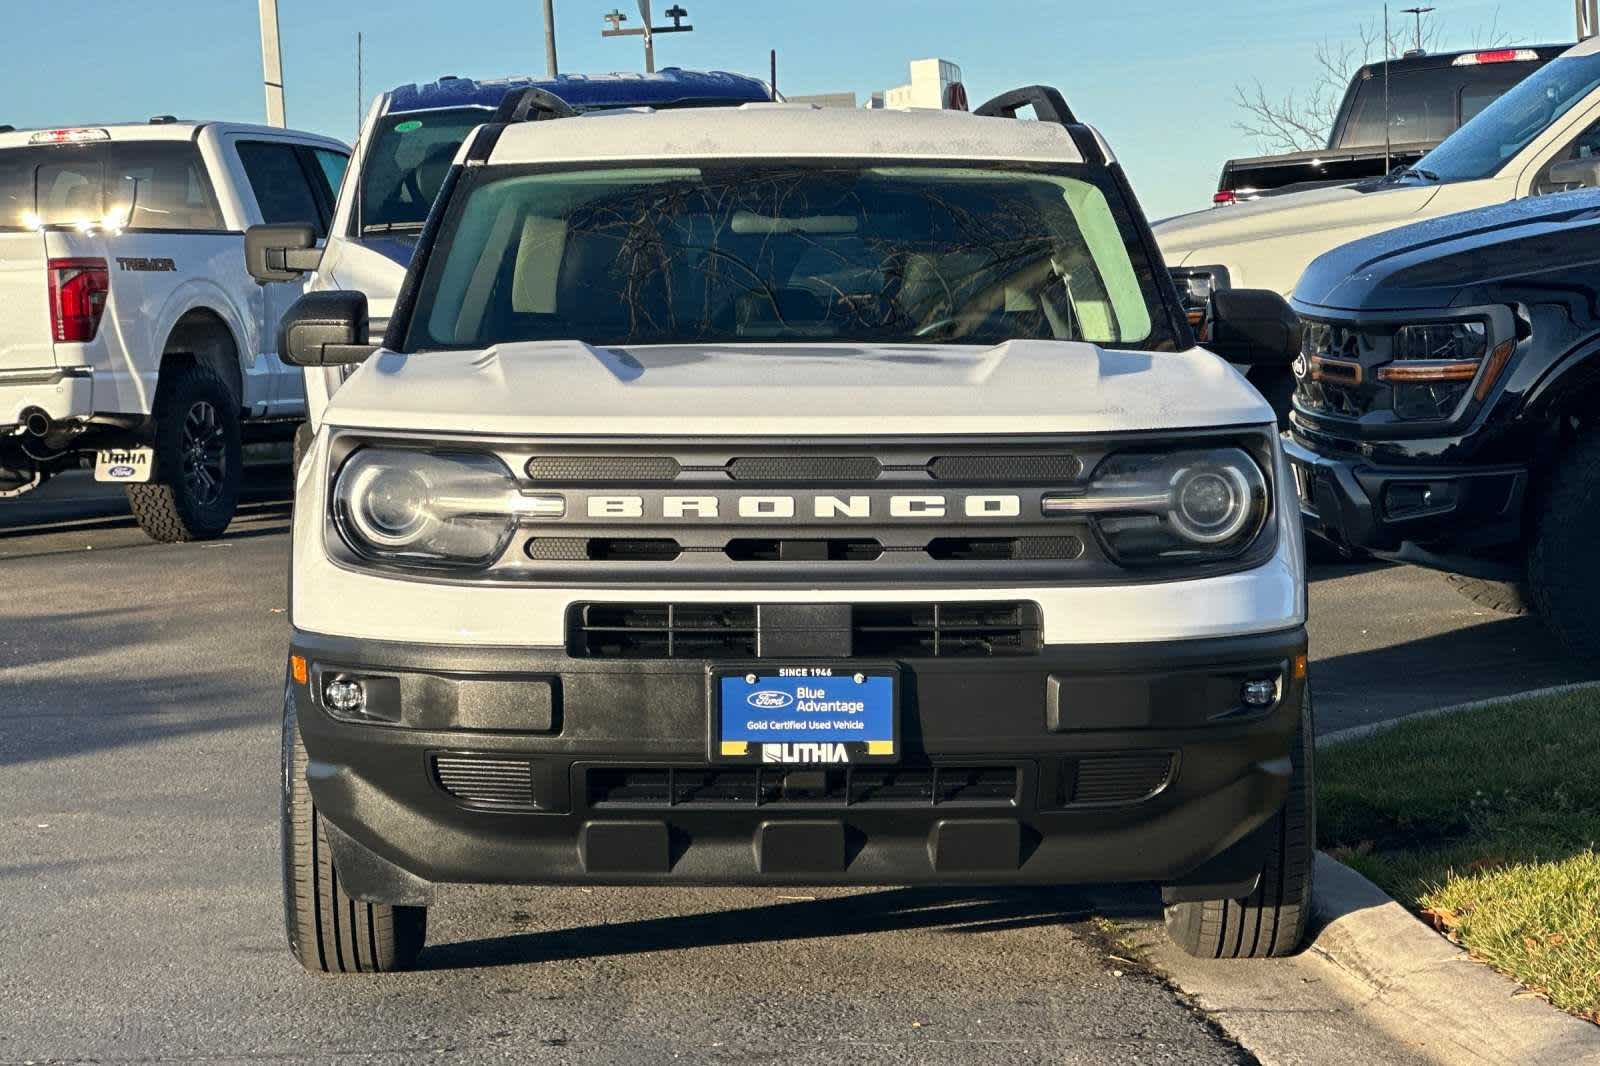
25	337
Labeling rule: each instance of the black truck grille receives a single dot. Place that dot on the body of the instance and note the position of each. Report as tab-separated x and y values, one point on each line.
719	631
1106	780
761	786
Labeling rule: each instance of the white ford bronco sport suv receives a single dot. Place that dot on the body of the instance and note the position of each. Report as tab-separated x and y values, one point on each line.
775	495
128	322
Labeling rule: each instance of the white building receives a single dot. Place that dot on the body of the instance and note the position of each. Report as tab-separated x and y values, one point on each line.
931	83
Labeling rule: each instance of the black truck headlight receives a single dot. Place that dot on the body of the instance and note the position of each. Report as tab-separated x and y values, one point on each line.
1435	364
1151	507
437	509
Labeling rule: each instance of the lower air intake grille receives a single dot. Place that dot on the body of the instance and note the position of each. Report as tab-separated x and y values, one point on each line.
486	781
661	631
943	630
763	786
1111	779
888	630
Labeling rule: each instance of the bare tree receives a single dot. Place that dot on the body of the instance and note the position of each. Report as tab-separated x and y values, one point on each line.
1301	119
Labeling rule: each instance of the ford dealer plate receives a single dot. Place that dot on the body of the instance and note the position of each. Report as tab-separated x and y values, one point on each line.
134	465
805	715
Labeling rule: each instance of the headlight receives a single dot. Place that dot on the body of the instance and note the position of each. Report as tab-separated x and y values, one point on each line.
1435	364
429	508
1165	507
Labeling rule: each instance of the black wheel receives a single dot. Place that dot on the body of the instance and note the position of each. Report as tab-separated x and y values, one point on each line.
1563	573
302	445
1502	597
329	932
1271	921
199	463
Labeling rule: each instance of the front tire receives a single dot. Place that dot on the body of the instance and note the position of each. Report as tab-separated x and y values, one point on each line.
1563	573
199	459
329	931
1502	597
1271	921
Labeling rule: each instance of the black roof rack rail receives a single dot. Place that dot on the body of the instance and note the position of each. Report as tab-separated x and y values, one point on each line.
1048	106
1047	103
532	104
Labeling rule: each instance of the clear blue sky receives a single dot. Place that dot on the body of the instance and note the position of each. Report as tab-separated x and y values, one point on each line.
1155	75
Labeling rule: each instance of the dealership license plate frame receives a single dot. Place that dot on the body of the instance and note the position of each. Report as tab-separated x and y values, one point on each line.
783	676
127	466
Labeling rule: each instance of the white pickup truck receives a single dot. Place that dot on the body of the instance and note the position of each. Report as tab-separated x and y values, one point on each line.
129	327
1541	137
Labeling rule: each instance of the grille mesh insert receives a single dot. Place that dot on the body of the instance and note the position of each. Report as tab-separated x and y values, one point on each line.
484	781
806	468
577	469
1110	779
1007	469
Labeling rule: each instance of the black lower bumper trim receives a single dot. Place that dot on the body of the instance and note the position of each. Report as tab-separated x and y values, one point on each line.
1082	764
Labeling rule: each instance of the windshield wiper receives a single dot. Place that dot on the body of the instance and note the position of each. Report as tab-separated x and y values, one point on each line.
1406	172
392	227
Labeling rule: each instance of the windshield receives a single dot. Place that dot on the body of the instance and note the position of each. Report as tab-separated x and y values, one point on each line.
1504	128
410	155
757	251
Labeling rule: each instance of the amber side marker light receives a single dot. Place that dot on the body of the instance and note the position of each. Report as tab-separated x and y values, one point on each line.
1300	667
297	669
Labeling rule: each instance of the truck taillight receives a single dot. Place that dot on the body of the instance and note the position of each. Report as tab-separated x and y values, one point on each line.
1226	196
78	289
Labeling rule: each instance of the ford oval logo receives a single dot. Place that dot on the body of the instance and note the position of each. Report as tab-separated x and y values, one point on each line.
769	699
120	471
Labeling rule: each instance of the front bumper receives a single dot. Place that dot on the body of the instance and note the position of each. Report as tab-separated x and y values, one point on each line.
1411	511
1082	764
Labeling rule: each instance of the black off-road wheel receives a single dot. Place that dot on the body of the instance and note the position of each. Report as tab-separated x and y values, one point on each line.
329	931
1563	570
1501	597
199	461
1271	921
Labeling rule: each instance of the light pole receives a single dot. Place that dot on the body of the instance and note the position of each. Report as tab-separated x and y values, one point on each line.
1419	12
271	63
550	37
676	13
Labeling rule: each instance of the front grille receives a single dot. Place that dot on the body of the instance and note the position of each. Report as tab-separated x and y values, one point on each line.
935	630
721	631
661	631
487	781
1102	780
765	786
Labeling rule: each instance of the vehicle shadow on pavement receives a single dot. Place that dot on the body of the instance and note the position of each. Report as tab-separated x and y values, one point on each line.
961	911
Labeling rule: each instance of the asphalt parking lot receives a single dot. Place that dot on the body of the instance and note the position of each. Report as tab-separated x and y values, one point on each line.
138	856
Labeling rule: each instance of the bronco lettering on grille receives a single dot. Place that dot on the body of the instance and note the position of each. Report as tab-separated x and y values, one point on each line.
857	508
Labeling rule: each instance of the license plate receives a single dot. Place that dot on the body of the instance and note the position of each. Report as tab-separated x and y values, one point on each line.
805	715
124	464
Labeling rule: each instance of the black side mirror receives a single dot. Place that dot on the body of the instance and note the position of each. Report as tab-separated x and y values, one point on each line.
282	252
1579	172
325	329
1255	327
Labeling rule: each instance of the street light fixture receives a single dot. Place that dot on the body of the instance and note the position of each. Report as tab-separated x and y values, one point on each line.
676	13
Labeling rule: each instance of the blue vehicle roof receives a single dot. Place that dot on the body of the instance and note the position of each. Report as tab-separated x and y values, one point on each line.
672	87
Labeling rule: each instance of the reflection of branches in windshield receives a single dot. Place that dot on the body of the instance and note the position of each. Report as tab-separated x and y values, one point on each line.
918	259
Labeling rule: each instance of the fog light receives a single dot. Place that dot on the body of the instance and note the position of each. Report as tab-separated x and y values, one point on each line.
1259	693
345	696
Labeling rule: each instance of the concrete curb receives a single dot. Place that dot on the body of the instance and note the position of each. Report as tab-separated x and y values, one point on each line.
1341	736
1463	1010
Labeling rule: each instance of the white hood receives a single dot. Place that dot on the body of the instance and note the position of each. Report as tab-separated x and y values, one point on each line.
1267	243
566	388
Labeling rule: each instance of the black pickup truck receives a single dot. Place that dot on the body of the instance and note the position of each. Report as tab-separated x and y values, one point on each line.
1446	405
1428	98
